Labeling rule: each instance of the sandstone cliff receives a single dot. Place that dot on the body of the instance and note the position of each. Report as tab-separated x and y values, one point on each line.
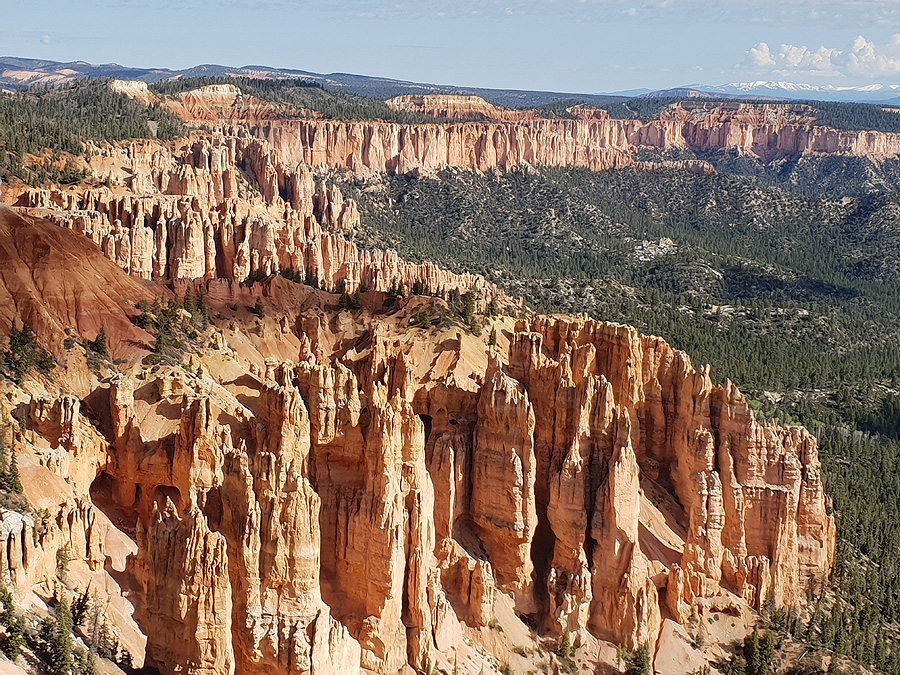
602	481
243	199
458	107
190	214
595	143
387	497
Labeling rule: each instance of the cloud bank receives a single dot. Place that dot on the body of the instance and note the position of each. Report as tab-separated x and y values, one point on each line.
862	60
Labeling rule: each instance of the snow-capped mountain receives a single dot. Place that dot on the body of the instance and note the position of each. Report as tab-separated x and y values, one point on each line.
870	93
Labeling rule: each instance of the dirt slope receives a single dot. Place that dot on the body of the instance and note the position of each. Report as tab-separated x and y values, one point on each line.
55	279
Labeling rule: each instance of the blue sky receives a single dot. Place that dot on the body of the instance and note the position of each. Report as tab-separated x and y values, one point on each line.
563	45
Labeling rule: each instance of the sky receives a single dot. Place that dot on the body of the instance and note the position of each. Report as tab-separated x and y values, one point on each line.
584	46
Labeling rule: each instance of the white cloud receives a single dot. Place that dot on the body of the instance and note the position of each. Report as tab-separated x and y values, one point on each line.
761	56
862	60
46	39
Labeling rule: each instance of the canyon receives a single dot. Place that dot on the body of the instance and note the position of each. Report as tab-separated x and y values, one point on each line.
319	489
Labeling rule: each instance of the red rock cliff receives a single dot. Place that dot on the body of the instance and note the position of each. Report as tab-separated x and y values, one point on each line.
593	473
186	215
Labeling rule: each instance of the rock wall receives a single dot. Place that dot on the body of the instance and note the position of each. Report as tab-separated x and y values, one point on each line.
458	107
627	418
367	510
594	142
191	212
512	137
372	504
187	215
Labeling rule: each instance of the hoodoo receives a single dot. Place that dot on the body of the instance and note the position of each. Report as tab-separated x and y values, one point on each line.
284	477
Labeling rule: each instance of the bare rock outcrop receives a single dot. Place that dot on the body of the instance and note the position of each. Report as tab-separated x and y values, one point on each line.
668	421
185	217
458	107
183	570
503	475
385	497
373	506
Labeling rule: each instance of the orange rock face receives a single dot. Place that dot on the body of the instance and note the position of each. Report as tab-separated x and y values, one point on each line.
634	421
360	510
592	140
378	505
185	217
188	213
92	293
512	137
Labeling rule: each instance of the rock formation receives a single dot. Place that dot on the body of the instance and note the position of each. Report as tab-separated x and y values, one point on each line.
604	474
458	107
183	217
190	212
322	491
597	142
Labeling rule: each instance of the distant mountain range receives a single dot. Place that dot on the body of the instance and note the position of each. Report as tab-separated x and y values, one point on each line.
772	90
17	72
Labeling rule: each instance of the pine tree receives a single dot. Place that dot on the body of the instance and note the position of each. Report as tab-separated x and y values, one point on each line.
55	641
86	663
492	340
105	645
202	309
11	479
15	626
639	661
15	636
190	305
737	666
99	344
468	308
753	654
79	608
4	464
768	647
